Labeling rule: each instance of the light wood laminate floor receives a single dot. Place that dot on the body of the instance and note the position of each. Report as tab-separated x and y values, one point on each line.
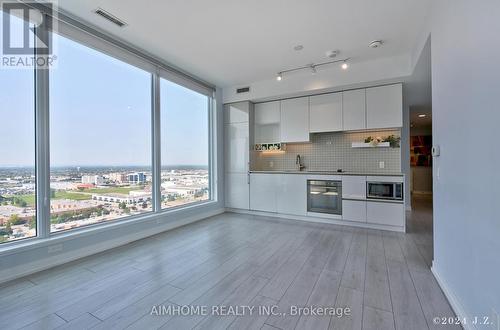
241	260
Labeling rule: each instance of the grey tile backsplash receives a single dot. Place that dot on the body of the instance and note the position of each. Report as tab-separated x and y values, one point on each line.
332	151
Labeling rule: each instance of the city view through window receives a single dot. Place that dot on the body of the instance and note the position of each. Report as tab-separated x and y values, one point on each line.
17	152
100	144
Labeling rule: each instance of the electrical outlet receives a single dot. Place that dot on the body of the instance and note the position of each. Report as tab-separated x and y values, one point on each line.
54	248
329	142
381	164
271	164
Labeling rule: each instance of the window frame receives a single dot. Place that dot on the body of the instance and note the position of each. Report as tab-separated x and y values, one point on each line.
79	32
211	120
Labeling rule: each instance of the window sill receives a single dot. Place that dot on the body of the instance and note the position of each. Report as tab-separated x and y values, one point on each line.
60	237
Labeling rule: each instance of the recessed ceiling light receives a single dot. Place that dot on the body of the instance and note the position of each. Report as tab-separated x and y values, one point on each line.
344	65
298	47
422	116
279	77
375	44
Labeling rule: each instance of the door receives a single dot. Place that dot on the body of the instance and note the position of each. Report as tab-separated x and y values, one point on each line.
294	123
325	113
354	109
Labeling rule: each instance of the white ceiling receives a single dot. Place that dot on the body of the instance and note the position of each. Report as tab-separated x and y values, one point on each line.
233	42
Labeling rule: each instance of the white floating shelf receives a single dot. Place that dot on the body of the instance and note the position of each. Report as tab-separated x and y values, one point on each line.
371	145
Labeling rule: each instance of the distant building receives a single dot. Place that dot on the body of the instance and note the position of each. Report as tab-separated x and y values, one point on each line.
137	197
85	186
118	177
137	178
97	180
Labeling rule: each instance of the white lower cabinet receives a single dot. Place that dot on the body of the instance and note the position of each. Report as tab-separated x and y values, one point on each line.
287	194
281	193
292	194
237	191
263	188
391	214
354	210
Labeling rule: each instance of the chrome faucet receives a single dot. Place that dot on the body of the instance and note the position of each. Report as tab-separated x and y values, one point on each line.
298	162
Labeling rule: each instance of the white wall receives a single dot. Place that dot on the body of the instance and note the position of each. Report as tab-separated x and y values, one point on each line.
327	79
465	94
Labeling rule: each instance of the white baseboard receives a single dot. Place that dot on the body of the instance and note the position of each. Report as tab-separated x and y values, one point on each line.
318	220
26	269
455	303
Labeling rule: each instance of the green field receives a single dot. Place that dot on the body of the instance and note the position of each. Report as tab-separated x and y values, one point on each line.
112	190
29	199
72	195
78	195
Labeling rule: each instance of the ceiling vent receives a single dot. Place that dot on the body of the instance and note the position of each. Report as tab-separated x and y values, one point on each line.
113	19
242	90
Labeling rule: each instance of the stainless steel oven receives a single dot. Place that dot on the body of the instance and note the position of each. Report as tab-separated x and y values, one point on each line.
324	196
384	190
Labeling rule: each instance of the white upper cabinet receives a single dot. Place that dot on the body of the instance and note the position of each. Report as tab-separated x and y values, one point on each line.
236	112
267	113
384	106
267	122
325	113
354	109
294	123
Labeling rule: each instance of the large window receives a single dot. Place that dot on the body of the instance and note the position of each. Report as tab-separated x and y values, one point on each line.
17	152
106	147
184	145
100	138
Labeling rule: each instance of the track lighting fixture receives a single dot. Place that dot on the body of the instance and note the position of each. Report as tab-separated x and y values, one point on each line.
313	67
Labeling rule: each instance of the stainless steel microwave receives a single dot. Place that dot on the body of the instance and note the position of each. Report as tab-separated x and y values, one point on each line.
384	190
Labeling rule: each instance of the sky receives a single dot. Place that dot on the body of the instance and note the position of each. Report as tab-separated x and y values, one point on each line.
100	114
